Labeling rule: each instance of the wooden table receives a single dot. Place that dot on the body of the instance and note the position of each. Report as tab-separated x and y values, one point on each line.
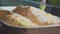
46	30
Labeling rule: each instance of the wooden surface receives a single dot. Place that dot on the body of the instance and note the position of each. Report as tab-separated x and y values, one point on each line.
11	30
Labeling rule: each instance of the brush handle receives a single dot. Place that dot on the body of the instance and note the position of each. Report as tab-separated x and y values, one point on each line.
42	4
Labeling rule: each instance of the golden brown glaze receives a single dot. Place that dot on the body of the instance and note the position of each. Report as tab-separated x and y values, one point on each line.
25	11
8	20
3	14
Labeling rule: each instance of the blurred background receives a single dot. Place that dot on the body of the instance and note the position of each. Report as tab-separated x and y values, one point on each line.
52	6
